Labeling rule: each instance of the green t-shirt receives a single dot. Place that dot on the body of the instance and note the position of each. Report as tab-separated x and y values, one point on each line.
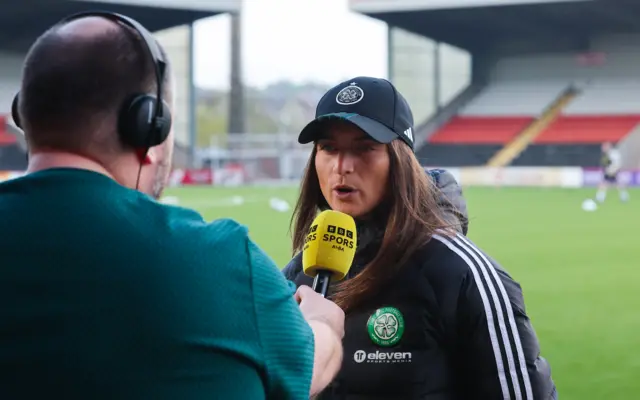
107	294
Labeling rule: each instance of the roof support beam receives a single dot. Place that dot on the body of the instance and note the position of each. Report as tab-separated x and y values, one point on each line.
627	17
520	22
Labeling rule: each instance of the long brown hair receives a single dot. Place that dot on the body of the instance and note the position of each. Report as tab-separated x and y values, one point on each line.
412	217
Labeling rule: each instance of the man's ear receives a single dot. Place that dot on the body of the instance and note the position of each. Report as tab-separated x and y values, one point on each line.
144	156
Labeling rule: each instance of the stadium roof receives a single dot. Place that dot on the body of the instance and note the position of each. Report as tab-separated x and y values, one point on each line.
22	21
489	22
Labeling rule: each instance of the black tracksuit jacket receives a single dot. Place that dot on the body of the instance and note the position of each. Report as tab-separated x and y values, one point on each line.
452	325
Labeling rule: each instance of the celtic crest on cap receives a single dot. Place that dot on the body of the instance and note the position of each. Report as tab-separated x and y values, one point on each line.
349	95
386	326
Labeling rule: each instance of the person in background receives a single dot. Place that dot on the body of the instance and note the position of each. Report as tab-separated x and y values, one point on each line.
450	199
611	163
429	315
109	294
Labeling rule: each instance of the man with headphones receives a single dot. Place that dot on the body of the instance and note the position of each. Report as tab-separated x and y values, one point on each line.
109	294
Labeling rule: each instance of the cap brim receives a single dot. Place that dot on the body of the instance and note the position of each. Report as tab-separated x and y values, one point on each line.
374	129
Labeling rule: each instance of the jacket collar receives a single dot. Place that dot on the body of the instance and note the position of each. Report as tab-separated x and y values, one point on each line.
369	237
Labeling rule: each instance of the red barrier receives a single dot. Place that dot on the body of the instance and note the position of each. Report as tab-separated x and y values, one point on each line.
231	175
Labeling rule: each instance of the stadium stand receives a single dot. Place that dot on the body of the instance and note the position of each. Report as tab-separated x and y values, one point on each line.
467	141
492	120
541	119
513	149
607	97
508	99
606	111
5	137
558	78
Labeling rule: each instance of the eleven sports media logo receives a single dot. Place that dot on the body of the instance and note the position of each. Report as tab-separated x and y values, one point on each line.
385	328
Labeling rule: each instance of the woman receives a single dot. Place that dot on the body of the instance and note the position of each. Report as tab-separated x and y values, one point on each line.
429	315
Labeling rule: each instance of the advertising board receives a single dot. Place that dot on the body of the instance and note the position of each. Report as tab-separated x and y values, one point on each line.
521	176
231	175
593	176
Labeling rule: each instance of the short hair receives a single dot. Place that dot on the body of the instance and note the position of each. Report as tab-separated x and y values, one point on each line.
73	88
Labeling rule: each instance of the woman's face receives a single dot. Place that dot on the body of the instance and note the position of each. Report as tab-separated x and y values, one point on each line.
352	169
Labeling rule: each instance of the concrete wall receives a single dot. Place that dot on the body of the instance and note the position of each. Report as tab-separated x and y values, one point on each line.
176	43
606	75
412	70
10	76
612	56
427	73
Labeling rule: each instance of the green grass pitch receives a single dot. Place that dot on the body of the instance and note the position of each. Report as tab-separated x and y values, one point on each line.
580	271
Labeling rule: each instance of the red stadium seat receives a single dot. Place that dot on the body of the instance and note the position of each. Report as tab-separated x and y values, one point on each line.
588	129
480	130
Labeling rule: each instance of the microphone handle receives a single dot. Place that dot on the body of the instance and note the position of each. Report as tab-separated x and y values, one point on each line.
321	282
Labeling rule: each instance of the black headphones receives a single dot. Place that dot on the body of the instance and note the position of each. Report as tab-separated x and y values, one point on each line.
141	123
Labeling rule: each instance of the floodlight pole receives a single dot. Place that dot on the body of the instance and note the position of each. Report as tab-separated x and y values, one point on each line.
236	93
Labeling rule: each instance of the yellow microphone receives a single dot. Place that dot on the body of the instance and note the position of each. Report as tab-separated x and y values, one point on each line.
329	249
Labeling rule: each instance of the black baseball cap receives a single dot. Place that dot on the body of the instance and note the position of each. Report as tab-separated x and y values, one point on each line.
374	105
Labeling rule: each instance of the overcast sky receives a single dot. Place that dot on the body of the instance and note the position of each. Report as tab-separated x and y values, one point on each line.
299	40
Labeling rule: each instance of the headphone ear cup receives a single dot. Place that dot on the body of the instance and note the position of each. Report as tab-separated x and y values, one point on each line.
15	113
136	126
163	124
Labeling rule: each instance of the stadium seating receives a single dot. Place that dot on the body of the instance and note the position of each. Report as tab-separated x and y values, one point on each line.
576	140
480	130
491	120
559	155
456	155
5	137
594	129
605	111
607	97
515	99
467	141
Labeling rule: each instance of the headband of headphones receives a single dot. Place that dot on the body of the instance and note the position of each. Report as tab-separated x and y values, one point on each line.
151	47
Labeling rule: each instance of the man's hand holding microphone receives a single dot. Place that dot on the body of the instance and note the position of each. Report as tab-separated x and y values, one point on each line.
327	255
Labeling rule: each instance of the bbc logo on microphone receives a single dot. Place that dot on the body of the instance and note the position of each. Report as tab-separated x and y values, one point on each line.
340	236
340	231
311	235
